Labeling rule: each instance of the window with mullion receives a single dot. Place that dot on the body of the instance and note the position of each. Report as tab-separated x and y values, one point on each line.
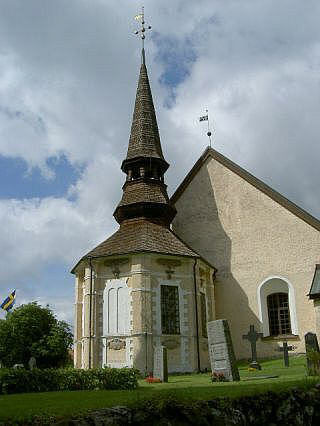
279	314
170	319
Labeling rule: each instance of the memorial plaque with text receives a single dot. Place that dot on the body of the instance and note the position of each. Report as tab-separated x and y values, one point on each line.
221	350
160	363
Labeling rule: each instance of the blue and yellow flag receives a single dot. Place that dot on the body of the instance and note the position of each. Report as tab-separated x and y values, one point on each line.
9	302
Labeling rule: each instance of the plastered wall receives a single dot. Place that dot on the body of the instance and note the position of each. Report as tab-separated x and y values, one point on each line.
248	237
144	274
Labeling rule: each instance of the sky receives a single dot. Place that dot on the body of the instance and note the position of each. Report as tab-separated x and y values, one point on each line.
68	77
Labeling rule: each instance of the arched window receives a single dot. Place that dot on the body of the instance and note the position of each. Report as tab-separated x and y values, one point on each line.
277	310
279	314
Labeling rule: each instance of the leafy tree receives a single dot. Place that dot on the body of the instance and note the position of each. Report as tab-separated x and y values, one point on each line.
32	330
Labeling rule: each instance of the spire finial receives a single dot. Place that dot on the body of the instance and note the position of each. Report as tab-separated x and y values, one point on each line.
206	118
142	31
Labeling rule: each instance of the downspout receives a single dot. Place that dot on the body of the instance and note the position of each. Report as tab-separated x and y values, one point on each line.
90	312
196	309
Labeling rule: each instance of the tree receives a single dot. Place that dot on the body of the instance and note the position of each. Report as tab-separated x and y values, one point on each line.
32	330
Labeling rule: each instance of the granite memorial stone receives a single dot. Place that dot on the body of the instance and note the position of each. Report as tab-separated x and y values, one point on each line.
221	352
313	353
160	363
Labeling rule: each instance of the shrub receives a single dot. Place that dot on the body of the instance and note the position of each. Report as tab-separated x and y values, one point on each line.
314	360
21	380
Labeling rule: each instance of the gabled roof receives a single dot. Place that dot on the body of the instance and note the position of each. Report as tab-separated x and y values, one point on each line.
257	183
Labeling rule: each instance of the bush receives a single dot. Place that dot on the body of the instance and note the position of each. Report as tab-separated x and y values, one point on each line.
314	360
21	380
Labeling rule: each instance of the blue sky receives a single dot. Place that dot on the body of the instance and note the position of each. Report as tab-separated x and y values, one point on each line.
68	75
23	182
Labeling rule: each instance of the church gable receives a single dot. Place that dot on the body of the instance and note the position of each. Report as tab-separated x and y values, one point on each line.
258	240
210	153
219	203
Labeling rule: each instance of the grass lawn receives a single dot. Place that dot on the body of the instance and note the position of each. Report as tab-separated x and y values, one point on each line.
193	386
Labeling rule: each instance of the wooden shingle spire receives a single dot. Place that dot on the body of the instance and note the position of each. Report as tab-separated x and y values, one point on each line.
144	193
144	139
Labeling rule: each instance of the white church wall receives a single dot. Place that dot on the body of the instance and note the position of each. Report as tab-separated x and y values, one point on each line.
135	325
248	237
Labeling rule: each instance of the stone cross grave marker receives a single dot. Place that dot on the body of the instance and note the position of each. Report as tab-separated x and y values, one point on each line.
253	337
285	349
160	363
32	363
221	352
313	353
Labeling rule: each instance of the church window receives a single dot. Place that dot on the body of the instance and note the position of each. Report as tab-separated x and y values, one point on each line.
279	314
203	314
170	319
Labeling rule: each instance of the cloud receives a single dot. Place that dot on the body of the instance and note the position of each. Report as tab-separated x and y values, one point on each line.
68	73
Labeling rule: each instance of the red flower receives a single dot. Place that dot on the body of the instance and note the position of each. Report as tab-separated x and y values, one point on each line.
151	379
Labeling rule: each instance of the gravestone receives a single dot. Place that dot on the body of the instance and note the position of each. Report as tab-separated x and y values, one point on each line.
160	363
313	353
32	363
285	349
253	337
221	352
18	366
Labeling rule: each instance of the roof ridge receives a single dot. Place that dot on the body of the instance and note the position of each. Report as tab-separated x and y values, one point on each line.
244	174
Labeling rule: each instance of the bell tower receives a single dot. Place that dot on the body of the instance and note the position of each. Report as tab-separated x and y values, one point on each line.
143	286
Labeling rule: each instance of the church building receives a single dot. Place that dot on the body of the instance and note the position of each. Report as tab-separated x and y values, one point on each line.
143	286
225	246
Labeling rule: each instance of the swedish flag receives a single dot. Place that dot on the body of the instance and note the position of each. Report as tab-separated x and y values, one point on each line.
9	302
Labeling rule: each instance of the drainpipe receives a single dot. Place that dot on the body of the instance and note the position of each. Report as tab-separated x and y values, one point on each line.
90	313
196	309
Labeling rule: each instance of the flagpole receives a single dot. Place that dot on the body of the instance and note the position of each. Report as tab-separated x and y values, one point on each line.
206	118
208	132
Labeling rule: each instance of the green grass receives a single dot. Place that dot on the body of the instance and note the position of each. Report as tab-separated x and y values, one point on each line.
184	387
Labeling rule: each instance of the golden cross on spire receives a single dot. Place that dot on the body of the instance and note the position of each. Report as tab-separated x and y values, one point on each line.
143	28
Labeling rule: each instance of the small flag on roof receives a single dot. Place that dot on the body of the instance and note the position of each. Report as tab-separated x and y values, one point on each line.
203	118
9	301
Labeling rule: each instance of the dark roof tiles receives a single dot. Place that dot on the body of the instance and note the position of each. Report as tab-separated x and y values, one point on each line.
144	137
139	235
142	191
